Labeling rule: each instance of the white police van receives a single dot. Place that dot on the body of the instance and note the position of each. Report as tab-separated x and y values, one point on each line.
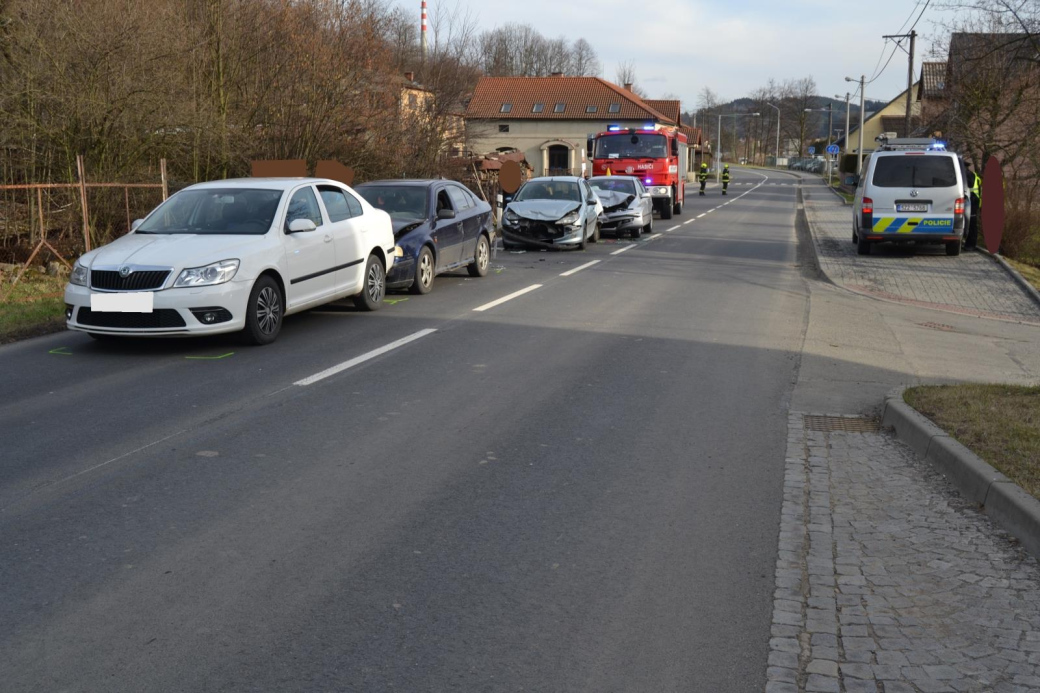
912	191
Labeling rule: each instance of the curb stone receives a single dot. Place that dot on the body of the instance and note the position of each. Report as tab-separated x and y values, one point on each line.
1022	281
1002	499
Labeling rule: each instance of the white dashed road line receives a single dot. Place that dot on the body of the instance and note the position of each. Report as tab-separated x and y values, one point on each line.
621	250
510	297
578	269
364	357
674	228
701	215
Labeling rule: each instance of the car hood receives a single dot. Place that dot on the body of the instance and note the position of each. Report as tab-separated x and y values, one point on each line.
171	250
544	210
613	200
402	226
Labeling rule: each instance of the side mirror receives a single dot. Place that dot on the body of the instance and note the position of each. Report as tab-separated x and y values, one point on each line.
301	226
445	213
137	223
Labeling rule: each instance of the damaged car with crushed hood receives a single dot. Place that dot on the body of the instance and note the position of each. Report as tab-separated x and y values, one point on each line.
553	212
628	207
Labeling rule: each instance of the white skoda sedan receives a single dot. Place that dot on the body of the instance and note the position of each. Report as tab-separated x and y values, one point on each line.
234	255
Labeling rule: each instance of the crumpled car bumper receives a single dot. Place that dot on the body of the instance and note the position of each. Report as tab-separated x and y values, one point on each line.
542	234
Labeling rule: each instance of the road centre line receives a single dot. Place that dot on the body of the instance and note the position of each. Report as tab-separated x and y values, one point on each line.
364	357
621	250
510	297
653	236
578	269
674	227
701	215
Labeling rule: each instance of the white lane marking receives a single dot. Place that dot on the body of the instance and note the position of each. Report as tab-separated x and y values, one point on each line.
701	215
578	269
710	211
653	236
621	250
364	357
510	297
674	228
688	221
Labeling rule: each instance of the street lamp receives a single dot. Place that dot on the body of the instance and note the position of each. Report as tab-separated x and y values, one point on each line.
776	162
847	96
862	83
718	168
830	131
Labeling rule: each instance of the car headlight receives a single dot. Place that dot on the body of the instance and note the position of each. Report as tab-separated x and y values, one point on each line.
217	273
80	275
511	216
571	218
661	191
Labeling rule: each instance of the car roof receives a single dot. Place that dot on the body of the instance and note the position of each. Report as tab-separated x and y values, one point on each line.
262	183
409	182
619	175
570	179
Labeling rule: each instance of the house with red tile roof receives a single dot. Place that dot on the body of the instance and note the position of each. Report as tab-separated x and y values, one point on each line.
550	119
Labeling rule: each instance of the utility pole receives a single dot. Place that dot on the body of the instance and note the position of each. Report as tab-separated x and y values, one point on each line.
909	76
775	163
910	83
862	102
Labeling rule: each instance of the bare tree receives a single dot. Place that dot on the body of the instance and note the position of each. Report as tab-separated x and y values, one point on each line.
625	73
584	62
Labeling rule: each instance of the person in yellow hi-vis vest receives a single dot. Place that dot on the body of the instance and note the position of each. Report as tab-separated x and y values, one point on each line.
725	178
702	176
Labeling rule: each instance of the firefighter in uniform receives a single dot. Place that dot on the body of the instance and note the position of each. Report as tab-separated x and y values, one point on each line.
974	181
702	176
725	178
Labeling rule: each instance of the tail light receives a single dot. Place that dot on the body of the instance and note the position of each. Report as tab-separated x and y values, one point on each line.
958	206
868	205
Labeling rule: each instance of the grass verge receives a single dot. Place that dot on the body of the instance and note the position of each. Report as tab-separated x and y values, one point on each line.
35	306
999	423
836	187
1029	272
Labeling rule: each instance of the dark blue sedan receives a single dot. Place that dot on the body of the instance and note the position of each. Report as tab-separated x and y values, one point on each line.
439	226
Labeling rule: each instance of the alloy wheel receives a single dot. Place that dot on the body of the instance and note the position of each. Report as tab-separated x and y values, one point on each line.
482	255
268	310
374	282
425	269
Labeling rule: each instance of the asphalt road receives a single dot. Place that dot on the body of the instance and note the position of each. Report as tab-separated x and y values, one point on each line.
577	489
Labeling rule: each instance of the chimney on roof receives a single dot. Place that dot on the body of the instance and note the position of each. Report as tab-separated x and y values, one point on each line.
410	76
556	74
628	86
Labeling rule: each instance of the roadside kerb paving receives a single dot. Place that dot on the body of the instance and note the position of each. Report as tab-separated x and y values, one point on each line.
1001	498
970	284
888	581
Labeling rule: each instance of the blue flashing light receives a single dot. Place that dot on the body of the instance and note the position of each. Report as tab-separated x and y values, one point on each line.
648	181
613	128
649	126
939	146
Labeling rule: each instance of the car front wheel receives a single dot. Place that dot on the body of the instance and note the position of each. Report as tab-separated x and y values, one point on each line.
424	272
479	266
374	287
264	312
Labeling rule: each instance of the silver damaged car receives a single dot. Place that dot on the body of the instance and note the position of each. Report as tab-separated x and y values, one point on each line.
553	212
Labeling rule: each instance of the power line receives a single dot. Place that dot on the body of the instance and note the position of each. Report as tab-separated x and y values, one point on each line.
897	46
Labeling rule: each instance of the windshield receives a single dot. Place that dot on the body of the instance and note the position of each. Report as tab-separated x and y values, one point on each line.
549	190
406	202
621	185
631	146
215	211
915	171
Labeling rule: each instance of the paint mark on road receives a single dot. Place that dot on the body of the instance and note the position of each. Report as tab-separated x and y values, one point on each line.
60	351
328	372
673	228
510	297
579	268
621	250
394	301
210	358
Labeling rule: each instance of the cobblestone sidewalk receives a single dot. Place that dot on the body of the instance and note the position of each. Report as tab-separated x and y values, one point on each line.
888	581
970	283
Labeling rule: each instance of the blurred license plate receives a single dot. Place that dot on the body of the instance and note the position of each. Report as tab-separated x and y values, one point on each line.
911	208
137	302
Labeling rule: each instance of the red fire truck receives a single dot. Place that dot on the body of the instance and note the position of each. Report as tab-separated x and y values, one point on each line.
656	153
